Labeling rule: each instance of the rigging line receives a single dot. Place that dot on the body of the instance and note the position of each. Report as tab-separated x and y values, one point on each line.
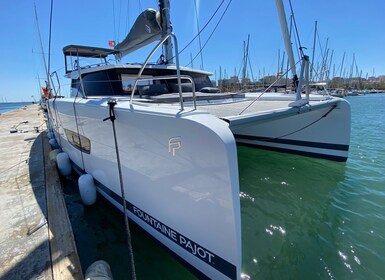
112	118
13	166
320	46
200	31
41	42
302	128
251	68
56	119
316	73
128	17
269	87
240	68
114	19
199	37
49	69
119	19
212	33
20	190
77	129
297	44
313	51
56	114
296	29
49	44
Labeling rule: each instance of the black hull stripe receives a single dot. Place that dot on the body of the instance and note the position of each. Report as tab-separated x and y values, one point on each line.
295	152
218	263
337	147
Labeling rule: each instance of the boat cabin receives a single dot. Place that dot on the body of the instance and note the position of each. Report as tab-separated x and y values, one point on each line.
105	79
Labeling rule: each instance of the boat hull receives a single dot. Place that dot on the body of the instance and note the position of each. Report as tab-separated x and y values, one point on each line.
179	170
320	130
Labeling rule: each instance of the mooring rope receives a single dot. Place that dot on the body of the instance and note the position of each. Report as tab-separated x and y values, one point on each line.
111	105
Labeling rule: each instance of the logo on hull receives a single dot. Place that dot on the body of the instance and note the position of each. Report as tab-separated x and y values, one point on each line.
174	144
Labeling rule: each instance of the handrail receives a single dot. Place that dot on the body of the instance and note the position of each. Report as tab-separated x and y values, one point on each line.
57	91
168	77
178	76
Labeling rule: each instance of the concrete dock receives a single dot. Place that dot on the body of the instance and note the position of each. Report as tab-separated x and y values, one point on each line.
36	240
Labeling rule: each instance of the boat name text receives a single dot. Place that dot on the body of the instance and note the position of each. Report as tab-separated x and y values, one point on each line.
176	237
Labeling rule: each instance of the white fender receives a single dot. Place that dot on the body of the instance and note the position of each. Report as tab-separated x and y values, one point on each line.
53	154
99	270
87	189
63	164
53	144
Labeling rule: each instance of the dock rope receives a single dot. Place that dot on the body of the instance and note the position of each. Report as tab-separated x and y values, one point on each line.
112	118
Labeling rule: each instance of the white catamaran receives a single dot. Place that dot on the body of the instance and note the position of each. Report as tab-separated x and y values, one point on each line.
176	137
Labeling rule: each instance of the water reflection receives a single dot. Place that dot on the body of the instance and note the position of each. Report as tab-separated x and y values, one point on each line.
288	222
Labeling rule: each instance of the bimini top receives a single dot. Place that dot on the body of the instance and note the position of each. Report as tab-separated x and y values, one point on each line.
145	30
74	51
85	51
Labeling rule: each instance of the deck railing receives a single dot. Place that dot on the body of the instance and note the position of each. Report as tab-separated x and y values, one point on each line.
178	76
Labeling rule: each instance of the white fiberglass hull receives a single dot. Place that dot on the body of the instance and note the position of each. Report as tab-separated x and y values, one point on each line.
180	175
321	129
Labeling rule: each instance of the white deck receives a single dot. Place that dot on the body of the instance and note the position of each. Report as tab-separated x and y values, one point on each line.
252	103
243	107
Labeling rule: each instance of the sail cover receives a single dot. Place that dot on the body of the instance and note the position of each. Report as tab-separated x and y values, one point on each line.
145	30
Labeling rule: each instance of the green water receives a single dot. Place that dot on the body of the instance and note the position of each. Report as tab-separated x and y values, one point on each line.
302	218
306	218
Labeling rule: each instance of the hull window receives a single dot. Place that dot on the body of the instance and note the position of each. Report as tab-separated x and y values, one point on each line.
78	141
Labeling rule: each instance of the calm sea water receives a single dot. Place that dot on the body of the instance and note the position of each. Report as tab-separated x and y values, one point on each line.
302	218
305	218
9	106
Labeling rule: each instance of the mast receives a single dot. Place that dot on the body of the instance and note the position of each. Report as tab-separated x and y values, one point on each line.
282	63
324	59
246	55
330	66
279	60
323	66
164	7
312	57
286	36
342	64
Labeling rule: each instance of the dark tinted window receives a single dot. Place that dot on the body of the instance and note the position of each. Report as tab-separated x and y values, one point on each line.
76	90
102	83
201	82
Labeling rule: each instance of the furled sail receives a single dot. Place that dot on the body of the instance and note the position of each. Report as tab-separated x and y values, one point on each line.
145	30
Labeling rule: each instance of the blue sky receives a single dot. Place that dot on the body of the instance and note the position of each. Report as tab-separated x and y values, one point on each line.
352	27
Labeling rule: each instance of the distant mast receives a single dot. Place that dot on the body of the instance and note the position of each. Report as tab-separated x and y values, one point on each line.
164	7
285	34
312	57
